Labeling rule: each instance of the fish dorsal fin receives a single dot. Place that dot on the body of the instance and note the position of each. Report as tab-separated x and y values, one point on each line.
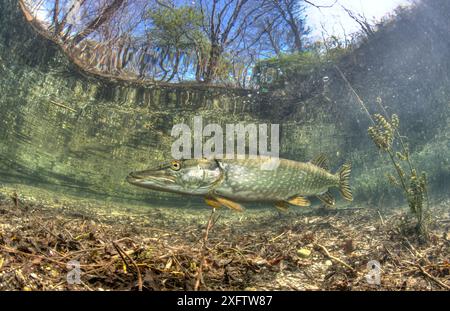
299	201
320	161
327	198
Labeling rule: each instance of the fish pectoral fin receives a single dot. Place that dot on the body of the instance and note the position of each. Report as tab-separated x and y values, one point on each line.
327	199
230	204
282	206
299	201
210	201
320	161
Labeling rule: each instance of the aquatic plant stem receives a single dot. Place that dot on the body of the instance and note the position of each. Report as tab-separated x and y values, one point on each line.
385	128
381	217
398	135
61	105
404	150
359	100
209	225
399	171
15	198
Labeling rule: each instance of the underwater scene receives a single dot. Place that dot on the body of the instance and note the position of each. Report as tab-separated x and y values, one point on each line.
225	145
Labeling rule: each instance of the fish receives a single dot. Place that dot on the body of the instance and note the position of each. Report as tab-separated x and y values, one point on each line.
230	182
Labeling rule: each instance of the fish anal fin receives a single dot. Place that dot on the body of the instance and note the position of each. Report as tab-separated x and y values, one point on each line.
327	199
320	161
282	206
230	204
299	201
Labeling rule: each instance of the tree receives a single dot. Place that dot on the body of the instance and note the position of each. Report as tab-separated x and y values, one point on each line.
366	27
224	23
211	41
65	12
291	13
176	32
105	15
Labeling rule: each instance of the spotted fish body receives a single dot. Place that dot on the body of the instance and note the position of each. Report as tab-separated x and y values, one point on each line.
224	182
244	180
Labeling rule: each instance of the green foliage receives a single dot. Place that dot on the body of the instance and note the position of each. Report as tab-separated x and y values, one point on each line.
384	134
273	72
177	28
178	31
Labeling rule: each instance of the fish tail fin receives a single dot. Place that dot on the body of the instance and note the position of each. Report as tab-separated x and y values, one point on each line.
344	181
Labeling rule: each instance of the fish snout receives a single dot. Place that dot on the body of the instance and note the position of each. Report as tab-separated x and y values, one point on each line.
133	177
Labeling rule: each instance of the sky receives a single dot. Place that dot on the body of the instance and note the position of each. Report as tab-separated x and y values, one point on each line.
335	19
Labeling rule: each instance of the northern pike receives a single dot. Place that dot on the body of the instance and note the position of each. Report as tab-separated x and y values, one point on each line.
225	182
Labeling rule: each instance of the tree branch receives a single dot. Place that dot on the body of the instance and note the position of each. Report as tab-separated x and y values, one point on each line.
105	16
320	6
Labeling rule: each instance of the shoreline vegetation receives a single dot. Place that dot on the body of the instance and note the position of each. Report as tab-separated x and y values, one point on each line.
108	59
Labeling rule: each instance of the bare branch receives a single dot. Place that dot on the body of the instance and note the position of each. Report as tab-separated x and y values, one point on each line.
106	15
320	6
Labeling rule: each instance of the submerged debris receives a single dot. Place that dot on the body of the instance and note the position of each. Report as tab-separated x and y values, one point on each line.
162	249
304	252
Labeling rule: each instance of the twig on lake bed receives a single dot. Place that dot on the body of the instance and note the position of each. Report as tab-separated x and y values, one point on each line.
422	269
327	253
138	271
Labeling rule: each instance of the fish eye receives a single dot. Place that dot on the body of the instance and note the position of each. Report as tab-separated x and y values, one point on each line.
175	165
